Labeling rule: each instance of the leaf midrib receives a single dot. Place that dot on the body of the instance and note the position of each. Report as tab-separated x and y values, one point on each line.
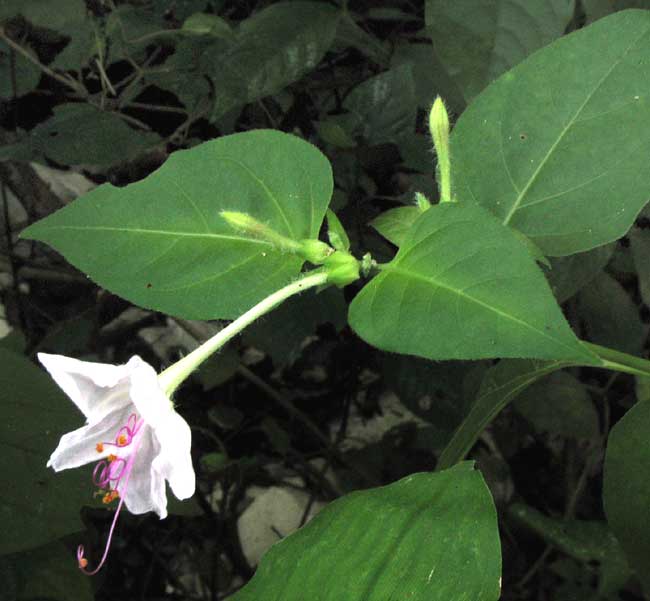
165	233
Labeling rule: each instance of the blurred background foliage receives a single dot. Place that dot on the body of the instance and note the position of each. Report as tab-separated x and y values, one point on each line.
298	411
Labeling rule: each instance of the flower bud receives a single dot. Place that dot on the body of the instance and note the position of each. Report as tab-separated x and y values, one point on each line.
367	263
439	128
315	251
422	202
342	268
244	223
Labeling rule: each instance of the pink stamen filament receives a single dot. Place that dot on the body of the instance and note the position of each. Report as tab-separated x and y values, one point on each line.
104	472
106	478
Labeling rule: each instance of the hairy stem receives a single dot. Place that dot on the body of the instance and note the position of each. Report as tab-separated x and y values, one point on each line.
172	377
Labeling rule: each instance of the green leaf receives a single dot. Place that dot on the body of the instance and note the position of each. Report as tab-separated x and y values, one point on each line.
273	48
431	77
281	332
181	9
170	250
640	245
626	487
610	316
395	224
129	29
478	41
80	134
427	537
27	73
183	73
587	541
462	286
501	385
49	572
596	9
350	34
383	108
333	132
642	388
559	405
568	275
416	151
36	505
207	24
438	392
85	42
218	368
556	147
40	13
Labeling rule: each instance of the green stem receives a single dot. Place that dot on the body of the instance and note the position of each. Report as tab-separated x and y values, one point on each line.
618	361
492	400
174	375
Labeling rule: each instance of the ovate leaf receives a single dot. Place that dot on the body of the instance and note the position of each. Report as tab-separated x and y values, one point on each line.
80	134
36	505
427	537
529	148
462	286
162	244
478	41
272	49
626	487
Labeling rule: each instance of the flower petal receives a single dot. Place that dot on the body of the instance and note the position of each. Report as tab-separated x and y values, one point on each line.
152	403
79	446
145	490
95	388
175	460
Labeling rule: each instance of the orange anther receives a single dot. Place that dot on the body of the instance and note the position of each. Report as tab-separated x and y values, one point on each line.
99	447
83	562
121	440
111	458
107	498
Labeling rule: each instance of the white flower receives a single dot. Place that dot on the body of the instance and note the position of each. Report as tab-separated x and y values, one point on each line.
131	429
